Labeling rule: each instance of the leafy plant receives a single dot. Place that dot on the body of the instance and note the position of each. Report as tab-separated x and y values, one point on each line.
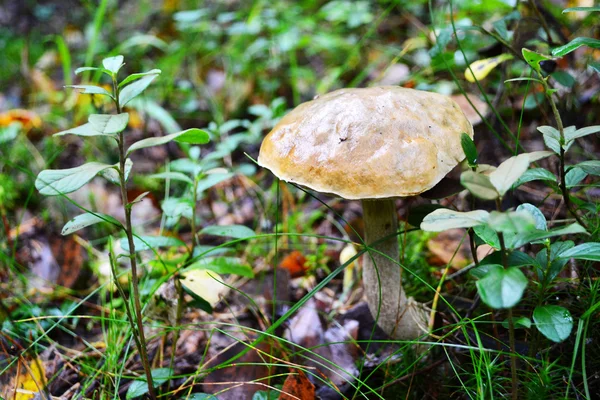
61	182
501	282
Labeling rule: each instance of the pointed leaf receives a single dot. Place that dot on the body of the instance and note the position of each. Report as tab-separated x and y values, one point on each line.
52	182
469	148
535	174
509	172
537	155
150	242
234	231
533	59
84	220
479	69
135	88
521	322
135	77
175	207
554	322
574	45
551	137
194	135
525	238
109	123
211	180
502	288
586	9
112	175
223	265
581	132
585	251
84	69
444	219
479	185
83	130
91	89
591	167
574	176
173	176
113	64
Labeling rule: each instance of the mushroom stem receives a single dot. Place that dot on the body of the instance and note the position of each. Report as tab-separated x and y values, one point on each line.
399	316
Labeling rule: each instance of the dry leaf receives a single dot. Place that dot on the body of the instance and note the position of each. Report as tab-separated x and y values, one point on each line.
297	386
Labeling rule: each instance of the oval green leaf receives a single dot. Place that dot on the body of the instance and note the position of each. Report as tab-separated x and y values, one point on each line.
233	231
444	219
52	182
502	288
84	220
554	322
193	135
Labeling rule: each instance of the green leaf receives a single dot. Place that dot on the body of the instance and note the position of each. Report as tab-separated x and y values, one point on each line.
591	167
112	175
479	185
535	174
139	387
554	322
595	66
175	207
234	231
523	79
533	59
223	265
150	242
211	180
199	396
511	221
84	220
483	270
581	132
52	182
84	69
135	77
91	89
574	45
113	64
525	238
509	172
270	394
502	288
550	267
564	78
551	137
444	219
109	123
585	251
514	259
99	125
487	235
587	9
469	148
193	135
574	177
173	176
521	322
538	216
418	213
135	88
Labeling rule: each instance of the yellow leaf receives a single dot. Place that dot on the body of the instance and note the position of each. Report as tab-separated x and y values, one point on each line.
206	284
31	381
481	68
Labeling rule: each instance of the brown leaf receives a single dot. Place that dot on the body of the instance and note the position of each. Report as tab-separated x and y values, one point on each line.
294	262
297	386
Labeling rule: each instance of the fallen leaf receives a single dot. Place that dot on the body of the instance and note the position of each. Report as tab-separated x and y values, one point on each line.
294	262
30	381
297	386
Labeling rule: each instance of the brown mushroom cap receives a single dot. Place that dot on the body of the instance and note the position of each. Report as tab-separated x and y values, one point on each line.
371	143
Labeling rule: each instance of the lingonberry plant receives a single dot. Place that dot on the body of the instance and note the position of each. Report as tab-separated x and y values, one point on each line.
63	181
501	283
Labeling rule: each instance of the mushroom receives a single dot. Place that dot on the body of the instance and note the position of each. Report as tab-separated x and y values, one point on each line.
372	144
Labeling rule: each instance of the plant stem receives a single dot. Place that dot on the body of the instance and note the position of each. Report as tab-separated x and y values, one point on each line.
133	261
562	172
511	325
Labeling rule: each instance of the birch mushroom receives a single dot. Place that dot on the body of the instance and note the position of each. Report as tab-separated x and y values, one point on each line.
372	144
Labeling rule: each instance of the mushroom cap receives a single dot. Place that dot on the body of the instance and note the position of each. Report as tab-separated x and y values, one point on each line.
370	143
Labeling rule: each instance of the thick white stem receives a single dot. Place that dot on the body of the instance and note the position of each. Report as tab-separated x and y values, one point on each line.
399	317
